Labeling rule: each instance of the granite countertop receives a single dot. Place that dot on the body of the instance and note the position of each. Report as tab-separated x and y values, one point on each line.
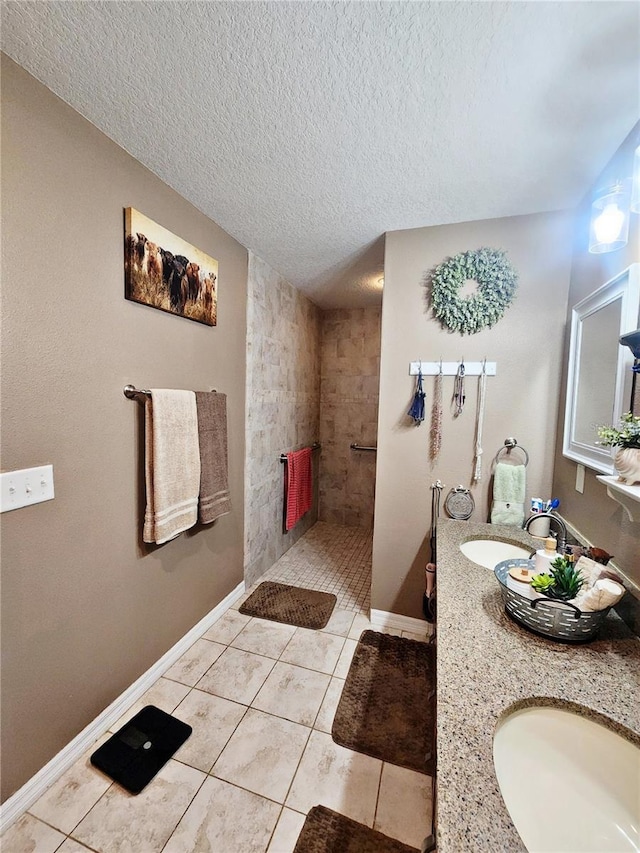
487	664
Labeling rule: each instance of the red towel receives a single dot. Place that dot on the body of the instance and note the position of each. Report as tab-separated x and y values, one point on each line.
299	495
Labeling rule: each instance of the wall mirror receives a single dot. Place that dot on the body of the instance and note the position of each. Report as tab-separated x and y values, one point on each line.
599	378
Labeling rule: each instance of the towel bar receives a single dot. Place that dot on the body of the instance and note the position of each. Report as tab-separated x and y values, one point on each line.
315	446
133	393
355	446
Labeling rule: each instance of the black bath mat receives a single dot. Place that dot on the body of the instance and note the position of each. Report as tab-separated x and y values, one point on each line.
387	707
137	751
326	831
306	608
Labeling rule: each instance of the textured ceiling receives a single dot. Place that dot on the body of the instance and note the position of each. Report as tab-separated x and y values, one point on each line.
307	130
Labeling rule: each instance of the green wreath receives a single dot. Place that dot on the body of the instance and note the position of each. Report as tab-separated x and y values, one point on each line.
497	282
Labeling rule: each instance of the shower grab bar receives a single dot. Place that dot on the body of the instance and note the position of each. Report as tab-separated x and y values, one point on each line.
315	446
355	446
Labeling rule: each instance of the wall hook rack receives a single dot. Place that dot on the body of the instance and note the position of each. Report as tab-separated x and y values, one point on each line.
450	368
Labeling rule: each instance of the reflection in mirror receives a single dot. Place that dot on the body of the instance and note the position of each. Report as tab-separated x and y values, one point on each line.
595	394
599	376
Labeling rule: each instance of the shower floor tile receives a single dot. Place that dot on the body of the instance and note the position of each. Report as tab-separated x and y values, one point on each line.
330	558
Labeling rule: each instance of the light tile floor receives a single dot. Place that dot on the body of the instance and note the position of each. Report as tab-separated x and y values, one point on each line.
261	697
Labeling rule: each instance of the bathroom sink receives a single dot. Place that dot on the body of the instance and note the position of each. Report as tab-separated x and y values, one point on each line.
490	552
568	782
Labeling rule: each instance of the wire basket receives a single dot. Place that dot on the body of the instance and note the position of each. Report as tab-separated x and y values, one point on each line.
557	620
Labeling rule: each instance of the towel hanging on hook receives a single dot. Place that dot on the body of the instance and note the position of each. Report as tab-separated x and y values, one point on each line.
482	393
458	390
436	417
417	407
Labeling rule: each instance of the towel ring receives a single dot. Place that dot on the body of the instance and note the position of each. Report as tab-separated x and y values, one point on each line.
509	445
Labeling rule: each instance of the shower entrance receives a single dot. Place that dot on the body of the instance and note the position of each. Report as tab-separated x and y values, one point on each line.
330	558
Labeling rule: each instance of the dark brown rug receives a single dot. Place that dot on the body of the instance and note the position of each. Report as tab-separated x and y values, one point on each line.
294	605
325	831
387	707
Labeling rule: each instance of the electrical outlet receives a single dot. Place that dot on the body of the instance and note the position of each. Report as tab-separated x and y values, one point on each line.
25	487
580	479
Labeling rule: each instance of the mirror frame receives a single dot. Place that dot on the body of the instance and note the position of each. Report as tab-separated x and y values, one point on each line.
626	287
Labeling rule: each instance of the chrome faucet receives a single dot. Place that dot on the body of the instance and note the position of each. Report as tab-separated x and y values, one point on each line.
562	528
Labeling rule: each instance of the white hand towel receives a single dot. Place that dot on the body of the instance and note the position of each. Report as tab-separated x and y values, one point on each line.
172	464
604	593
509	488
505	512
590	571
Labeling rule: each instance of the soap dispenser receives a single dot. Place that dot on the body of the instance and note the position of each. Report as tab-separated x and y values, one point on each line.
546	556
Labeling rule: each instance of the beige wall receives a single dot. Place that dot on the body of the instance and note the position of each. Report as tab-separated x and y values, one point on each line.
597	517
349	413
522	400
283	399
86	609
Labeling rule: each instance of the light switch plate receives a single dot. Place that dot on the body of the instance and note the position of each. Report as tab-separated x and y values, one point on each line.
25	487
580	479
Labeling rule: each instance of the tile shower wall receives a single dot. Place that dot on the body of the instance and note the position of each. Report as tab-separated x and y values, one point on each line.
349	413
283	401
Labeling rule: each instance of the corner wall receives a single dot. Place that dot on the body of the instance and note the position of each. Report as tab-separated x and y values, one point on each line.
593	514
86	608
283	400
522	400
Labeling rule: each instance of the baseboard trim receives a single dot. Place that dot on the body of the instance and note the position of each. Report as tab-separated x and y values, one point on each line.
385	619
26	796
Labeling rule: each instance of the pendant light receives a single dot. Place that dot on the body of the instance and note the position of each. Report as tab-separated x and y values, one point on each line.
609	219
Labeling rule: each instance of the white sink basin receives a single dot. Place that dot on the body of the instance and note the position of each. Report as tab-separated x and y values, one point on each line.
490	552
570	784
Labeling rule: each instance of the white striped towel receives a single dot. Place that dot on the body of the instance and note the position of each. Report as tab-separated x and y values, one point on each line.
172	464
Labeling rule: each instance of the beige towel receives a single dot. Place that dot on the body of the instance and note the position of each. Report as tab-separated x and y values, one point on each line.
214	476
172	464
604	593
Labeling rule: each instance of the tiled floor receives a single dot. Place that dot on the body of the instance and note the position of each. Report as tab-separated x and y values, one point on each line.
331	558
260	697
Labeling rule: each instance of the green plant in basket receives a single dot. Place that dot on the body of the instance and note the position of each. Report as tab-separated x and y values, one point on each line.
567	582
541	583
